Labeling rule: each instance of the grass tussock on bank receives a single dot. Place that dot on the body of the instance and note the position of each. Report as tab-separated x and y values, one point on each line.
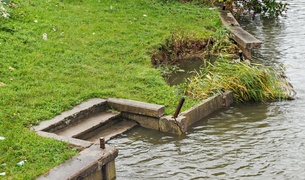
254	83
58	53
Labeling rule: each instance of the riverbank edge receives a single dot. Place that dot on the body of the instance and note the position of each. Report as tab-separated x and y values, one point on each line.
163	123
245	41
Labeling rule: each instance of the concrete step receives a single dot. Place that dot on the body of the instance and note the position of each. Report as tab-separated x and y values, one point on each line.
244	39
111	131
86	125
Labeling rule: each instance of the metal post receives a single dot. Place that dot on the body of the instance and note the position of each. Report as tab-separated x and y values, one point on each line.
102	142
179	107
240	53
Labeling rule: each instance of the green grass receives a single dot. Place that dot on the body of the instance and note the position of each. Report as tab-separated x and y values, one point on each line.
94	49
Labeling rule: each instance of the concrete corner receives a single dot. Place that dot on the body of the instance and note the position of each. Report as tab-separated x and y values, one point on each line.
228	98
170	125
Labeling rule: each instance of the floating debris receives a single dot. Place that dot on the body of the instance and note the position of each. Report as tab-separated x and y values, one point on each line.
2	174
1	137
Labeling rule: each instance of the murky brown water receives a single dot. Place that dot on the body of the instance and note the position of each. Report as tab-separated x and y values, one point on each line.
254	141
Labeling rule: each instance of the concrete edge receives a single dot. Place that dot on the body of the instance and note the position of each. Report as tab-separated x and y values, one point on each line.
136	107
142	114
187	118
244	40
82	164
227	18
70	113
72	141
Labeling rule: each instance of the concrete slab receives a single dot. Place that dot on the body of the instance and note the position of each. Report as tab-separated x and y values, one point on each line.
88	124
78	112
228	19
144	121
203	109
112	131
244	39
136	107
82	165
73	141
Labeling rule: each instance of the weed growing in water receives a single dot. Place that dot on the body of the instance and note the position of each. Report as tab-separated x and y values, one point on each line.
254	82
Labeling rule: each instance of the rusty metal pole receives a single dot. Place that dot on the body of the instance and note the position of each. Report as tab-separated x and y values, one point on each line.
102	142
179	107
240	53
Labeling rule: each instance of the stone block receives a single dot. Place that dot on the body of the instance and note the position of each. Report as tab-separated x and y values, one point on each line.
203	109
136	107
144	121
83	164
73	141
170	125
80	111
244	39
228	19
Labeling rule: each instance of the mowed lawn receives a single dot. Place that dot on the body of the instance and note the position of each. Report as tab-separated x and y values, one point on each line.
55	54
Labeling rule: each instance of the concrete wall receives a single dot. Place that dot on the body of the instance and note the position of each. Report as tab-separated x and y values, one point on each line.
94	162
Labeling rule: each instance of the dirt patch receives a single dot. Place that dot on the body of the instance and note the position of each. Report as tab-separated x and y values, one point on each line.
180	47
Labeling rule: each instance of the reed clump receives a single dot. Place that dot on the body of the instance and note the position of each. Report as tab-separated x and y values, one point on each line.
255	82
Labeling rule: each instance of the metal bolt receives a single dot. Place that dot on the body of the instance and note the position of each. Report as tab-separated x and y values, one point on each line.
102	142
240	53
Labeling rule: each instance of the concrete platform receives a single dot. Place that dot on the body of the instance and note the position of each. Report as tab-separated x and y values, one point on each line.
244	40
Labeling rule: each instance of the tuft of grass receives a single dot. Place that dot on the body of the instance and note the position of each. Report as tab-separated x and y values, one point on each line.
254	82
56	54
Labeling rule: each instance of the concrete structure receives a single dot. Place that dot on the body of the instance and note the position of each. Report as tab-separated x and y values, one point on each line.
84	126
89	125
244	40
91	163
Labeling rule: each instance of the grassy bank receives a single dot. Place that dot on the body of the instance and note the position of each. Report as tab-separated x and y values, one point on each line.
56	54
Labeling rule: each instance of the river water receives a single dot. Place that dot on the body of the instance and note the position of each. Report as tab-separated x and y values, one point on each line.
249	141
